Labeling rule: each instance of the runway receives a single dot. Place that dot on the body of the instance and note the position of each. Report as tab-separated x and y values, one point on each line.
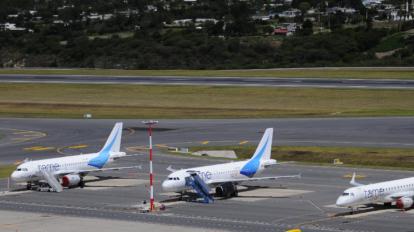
64	134
306	203
311	82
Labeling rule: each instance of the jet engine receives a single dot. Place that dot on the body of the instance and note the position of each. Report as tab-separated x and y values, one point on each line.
404	202
226	190
71	180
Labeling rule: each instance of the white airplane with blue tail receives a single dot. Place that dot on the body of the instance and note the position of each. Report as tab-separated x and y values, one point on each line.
400	192
224	177
71	169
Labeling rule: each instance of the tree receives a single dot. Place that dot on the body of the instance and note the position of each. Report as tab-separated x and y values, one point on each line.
307	28
304	7
241	23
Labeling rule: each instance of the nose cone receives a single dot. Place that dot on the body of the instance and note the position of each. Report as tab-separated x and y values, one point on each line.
341	202
15	176
166	185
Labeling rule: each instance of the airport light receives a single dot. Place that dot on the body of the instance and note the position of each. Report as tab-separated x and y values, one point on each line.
151	124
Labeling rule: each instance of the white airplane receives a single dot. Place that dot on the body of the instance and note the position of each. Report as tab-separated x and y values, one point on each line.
71	169
225	177
400	191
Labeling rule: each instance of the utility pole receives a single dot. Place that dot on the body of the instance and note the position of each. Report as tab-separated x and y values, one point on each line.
150	124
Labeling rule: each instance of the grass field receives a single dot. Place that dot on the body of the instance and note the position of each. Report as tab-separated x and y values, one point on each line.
136	101
352	156
365	73
6	170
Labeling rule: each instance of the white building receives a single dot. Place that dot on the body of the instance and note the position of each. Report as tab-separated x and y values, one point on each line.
289	13
11	27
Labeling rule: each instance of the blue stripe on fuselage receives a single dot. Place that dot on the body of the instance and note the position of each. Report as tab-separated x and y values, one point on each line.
103	156
251	167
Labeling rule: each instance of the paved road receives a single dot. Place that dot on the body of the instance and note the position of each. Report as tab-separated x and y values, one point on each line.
313	82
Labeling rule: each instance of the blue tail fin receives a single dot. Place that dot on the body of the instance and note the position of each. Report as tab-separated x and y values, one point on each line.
113	144
263	152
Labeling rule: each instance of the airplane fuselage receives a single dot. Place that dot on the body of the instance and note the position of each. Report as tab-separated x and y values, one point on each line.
212	173
383	192
32	170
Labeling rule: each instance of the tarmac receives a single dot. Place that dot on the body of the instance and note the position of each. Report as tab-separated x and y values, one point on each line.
111	198
308	82
37	222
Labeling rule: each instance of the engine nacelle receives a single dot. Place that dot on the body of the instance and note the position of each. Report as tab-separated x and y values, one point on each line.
71	180
226	190
404	202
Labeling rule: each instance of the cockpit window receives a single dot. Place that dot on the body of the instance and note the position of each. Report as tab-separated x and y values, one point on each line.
24	169
170	178
345	194
19	169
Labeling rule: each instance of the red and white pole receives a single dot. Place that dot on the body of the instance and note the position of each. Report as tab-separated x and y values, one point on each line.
150	124
151	174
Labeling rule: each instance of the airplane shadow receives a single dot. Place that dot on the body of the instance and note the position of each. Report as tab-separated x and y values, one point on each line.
100	178
367	209
249	188
103	178
191	196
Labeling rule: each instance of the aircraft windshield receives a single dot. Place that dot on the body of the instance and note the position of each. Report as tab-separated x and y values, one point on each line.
345	194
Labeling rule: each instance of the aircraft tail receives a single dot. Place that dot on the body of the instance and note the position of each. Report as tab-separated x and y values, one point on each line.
353	181
113	143
264	149
261	155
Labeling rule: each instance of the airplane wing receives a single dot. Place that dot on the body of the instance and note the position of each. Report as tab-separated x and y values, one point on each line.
84	172
220	181
52	181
